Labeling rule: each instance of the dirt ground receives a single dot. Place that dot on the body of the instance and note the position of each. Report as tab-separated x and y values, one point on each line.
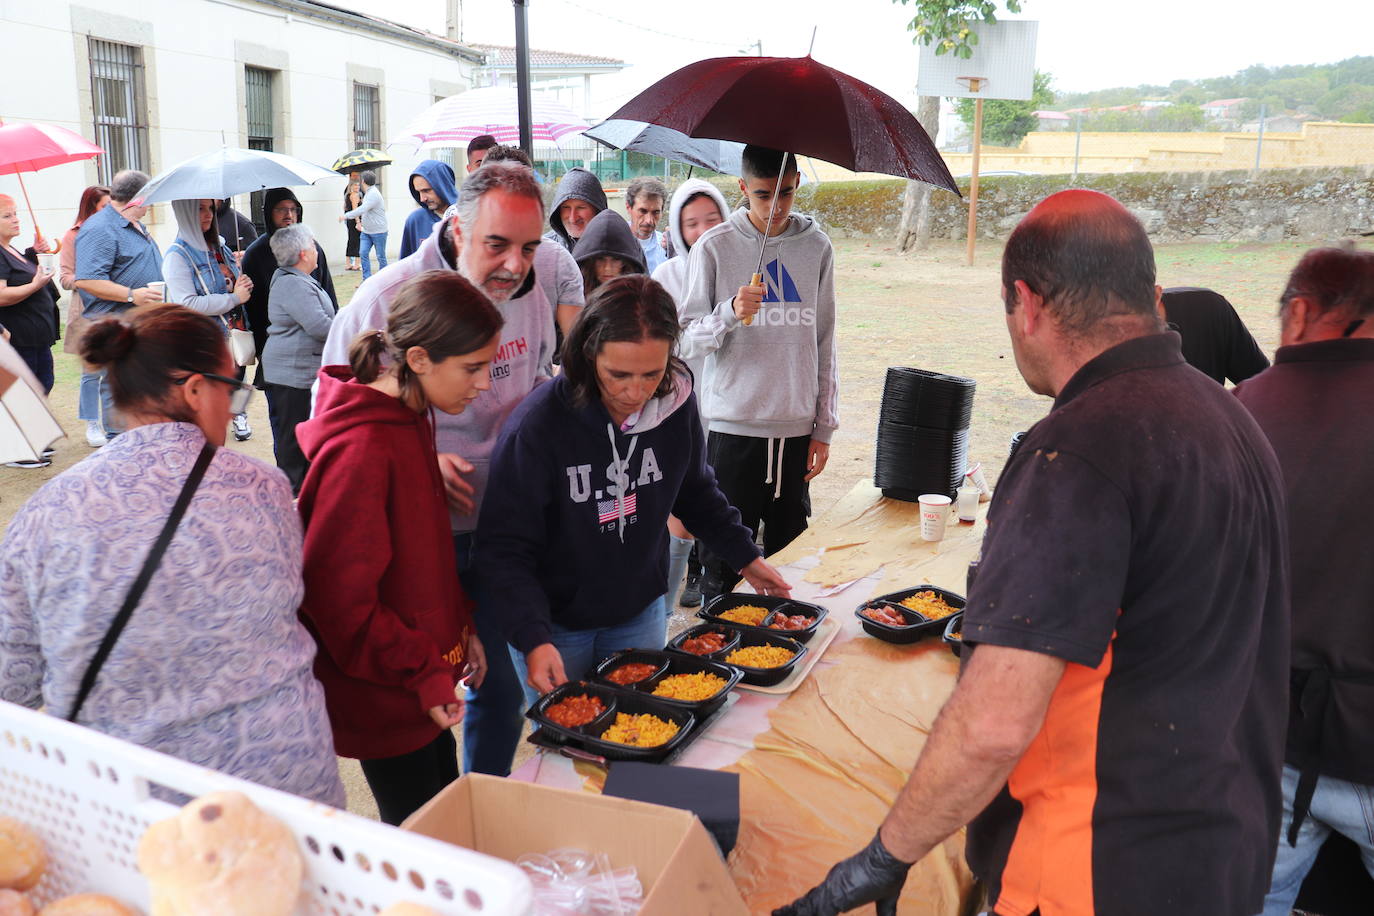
925	310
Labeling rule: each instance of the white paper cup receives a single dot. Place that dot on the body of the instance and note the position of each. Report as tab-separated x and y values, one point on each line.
934	516
48	262
976	478
160	288
968	503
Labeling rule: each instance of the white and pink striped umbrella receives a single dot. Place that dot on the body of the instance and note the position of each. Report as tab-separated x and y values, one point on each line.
491	110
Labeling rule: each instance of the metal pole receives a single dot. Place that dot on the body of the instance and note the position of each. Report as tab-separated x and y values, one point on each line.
1259	142
973	180
522	75
1077	144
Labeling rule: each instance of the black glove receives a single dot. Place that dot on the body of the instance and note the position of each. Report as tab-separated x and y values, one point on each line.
873	875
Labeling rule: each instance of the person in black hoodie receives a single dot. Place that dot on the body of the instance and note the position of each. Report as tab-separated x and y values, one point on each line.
606	250
280	209
573	530
579	198
236	229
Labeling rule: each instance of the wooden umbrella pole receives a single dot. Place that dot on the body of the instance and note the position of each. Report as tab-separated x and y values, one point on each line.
37	233
973	179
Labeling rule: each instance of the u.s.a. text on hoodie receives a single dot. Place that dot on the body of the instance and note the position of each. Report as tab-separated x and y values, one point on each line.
526	349
777	377
574	526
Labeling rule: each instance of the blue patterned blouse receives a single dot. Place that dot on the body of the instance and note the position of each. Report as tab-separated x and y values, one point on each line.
214	667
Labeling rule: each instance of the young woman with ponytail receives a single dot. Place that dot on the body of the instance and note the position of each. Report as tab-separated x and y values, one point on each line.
382	594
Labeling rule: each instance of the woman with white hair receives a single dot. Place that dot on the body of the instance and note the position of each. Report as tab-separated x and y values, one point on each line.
300	312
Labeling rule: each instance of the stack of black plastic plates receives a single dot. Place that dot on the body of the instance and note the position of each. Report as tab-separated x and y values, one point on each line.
923	426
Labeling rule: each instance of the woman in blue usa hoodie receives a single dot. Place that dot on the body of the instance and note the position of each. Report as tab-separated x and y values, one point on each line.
573	529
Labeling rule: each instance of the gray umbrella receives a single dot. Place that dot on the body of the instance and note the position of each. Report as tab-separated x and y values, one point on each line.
717	155
228	171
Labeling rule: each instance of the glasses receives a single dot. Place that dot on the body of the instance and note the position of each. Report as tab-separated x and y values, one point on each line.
239	396
286	211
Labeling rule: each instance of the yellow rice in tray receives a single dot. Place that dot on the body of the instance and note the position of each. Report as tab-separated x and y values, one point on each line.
699	686
639	731
929	605
749	614
760	657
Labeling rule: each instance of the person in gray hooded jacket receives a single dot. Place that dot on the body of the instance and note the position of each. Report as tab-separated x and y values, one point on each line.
580	197
301	315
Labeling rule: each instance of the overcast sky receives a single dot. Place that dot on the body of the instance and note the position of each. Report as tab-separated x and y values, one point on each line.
1083	45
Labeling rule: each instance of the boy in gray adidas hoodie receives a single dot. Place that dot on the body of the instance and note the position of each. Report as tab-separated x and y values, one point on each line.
771	385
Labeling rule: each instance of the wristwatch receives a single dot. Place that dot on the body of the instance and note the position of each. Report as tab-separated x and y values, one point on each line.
130	298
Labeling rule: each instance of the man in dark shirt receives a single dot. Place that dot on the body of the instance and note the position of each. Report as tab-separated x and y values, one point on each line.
1314	405
1215	340
1120	721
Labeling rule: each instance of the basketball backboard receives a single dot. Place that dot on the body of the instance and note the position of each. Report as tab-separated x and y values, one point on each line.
1003	63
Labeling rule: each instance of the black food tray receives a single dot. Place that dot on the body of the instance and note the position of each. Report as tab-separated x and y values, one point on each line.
786	606
954	633
669	663
588	737
745	637
542	737
917	626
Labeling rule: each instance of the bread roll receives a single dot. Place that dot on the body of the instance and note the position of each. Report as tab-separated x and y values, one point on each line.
221	856
407	909
87	905
13	903
22	859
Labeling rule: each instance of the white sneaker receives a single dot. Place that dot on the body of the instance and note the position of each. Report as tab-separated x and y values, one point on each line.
95	433
242	432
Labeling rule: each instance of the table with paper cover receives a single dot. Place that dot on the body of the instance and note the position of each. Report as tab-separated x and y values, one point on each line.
820	767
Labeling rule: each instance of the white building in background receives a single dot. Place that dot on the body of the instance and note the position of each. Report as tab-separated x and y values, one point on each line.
159	81
565	77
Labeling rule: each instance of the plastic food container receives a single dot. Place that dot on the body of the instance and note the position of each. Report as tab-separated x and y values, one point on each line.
954	634
731	635
669	664
775	607
750	636
916	626
588	737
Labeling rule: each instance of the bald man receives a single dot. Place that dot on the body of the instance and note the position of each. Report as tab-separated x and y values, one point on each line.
1114	742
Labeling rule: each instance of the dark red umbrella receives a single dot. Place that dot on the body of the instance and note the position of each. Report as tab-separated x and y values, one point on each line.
794	104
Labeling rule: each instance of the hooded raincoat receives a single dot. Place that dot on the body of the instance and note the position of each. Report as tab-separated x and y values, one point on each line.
259	263
421	221
577	184
574	525
382	595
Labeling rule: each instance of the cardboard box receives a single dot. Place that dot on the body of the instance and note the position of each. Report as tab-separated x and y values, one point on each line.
677	863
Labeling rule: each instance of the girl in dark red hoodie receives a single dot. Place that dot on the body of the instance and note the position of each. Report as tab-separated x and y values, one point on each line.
382	596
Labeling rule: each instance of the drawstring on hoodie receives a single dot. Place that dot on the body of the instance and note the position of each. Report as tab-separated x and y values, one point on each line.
774	476
622	477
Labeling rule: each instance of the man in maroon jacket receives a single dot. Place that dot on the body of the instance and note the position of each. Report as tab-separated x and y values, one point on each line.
1314	405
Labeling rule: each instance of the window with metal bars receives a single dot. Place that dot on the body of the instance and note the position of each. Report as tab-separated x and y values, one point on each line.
257	93
367	116
119	105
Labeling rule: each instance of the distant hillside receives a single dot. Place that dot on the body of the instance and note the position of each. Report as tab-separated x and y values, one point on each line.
1343	91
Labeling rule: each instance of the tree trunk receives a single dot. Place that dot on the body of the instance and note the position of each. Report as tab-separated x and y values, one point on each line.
914	231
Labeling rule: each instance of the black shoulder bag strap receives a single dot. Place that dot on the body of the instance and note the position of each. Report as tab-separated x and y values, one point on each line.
150	565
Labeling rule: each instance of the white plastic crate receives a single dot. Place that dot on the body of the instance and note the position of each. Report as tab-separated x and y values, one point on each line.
88	796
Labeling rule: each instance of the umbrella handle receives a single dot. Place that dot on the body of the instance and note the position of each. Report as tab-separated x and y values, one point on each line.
756	280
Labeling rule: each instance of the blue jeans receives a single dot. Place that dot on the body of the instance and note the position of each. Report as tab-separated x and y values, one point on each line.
582	649
367	241
107	408
88	399
496	711
1337	805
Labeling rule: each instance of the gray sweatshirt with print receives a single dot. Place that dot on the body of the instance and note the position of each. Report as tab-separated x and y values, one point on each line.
777	377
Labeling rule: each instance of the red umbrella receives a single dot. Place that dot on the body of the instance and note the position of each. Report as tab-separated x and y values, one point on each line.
794	104
32	147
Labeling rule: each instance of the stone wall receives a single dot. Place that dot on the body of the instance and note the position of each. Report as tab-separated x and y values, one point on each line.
1308	205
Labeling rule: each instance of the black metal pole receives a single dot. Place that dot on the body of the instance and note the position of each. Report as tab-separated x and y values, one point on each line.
522	75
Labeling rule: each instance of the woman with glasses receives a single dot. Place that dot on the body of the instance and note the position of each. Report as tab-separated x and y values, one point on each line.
213	666
300	315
